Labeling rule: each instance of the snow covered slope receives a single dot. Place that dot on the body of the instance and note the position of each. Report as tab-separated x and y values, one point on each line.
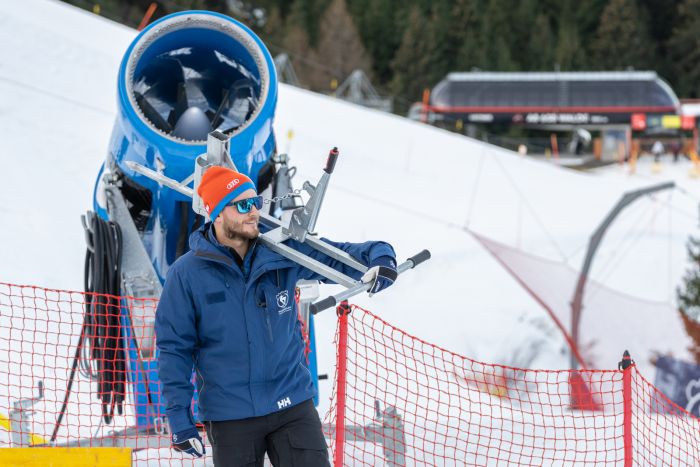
401	181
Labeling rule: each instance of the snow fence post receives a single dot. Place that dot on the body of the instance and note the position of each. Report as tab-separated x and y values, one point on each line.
626	365
343	311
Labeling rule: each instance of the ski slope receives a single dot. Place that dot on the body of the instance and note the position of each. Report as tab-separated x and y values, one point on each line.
401	181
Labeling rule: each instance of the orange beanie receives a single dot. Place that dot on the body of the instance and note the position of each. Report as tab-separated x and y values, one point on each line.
219	186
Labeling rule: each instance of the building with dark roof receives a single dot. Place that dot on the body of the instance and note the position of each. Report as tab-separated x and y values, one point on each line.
569	98
618	106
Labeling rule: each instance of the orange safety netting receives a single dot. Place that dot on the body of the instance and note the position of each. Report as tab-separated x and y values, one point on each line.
401	400
409	402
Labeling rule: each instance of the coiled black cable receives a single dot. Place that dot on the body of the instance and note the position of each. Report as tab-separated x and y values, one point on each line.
102	325
100	351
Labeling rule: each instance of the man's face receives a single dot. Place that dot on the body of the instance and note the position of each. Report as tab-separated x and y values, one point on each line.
237	226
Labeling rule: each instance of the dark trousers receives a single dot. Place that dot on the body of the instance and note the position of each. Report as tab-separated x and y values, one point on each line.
291	437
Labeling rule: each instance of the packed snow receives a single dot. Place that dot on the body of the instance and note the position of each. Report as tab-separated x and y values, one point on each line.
412	185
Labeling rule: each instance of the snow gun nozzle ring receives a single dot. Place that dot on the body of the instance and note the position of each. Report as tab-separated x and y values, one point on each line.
330	163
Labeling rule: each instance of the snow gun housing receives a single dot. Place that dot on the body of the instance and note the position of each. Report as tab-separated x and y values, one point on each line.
183	77
195	89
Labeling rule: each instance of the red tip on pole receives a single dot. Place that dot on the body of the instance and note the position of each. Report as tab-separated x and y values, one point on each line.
147	16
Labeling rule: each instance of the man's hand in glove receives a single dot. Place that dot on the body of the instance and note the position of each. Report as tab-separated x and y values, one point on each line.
381	274
189	442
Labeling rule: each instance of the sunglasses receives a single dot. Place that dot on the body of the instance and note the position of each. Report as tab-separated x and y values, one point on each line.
244	206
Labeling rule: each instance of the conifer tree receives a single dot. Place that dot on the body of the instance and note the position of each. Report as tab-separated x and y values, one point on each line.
462	32
541	45
684	48
340	49
380	31
496	42
413	65
688	295
297	43
273	31
623	39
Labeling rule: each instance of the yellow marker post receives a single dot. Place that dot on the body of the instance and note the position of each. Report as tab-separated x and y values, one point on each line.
695	171
66	457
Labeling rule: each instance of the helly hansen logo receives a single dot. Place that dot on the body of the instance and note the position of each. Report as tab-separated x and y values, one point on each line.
284	403
232	183
282	301
282	298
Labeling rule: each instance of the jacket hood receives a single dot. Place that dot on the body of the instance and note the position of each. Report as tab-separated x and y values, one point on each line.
199	242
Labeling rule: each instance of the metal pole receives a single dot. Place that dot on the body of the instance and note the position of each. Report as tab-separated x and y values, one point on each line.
593	244
343	312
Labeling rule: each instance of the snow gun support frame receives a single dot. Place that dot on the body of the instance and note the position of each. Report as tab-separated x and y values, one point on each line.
300	227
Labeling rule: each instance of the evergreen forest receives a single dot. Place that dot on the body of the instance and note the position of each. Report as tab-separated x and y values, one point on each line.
405	46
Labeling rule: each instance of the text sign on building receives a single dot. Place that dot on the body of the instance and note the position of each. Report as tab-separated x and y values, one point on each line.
571	118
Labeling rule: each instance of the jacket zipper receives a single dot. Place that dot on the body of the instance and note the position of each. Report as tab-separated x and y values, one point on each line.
269	325
201	391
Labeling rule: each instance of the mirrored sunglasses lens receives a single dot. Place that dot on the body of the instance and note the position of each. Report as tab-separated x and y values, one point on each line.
244	206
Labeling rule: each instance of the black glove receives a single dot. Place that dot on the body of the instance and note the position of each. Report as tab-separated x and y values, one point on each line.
381	274
189	442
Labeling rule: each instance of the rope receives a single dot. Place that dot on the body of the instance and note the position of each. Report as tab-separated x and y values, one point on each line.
56	96
622	249
531	209
472	200
670	247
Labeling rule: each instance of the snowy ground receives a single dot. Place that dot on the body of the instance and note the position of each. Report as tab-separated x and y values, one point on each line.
412	185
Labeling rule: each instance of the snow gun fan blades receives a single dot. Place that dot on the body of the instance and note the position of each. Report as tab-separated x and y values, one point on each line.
183	77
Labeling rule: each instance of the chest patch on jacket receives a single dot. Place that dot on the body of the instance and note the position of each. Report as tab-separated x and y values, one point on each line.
215	297
283	302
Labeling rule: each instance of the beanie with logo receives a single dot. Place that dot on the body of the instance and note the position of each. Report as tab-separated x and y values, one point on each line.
219	186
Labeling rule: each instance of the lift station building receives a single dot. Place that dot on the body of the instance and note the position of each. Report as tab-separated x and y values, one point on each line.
625	111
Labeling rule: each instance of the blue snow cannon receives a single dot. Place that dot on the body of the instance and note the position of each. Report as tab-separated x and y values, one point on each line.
183	77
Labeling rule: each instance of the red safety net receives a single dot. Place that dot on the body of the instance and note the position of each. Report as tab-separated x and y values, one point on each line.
644	327
41	330
401	400
408	402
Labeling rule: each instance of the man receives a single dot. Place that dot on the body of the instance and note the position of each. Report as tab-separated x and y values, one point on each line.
657	149
228	311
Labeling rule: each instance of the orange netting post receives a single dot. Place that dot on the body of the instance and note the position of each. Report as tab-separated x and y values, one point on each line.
626	366
343	312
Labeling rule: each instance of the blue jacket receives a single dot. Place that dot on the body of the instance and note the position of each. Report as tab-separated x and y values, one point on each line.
238	328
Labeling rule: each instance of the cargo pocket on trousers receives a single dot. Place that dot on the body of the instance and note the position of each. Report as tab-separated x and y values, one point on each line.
308	450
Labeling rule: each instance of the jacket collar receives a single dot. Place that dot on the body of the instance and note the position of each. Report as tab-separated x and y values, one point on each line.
258	260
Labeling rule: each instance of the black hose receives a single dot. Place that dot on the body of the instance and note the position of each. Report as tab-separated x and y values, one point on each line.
101	344
102	315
